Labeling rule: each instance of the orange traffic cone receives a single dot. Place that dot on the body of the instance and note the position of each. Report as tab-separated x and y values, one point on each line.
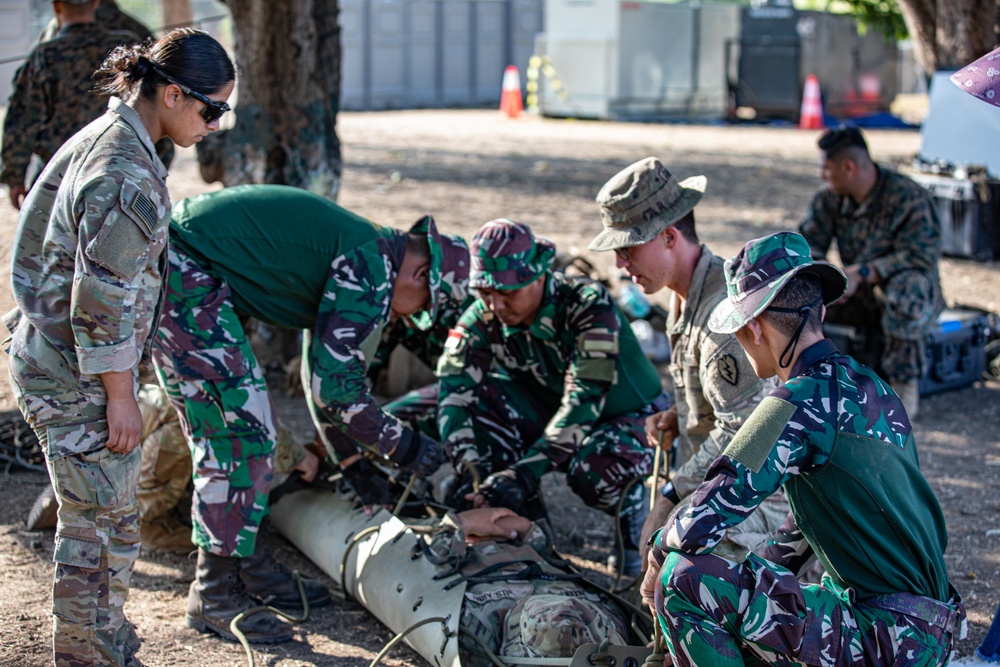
510	96
811	113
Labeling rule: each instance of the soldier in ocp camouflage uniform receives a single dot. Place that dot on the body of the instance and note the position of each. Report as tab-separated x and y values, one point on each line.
543	373
87	292
839	440
288	258
889	239
649	221
521	600
53	95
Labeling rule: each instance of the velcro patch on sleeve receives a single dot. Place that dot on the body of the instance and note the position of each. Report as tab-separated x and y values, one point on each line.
456	341
600	368
143	212
756	438
599	341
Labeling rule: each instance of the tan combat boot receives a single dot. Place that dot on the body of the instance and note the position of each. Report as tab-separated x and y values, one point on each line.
166	534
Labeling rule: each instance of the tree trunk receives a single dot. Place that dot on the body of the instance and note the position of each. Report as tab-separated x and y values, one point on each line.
177	13
948	34
288	54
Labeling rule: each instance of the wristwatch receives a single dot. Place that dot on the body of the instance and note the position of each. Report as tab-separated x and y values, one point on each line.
864	271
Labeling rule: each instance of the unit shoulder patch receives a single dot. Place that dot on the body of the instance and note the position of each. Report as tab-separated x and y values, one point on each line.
728	369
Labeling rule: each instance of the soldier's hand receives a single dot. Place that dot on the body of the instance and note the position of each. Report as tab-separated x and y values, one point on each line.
419	454
17	194
124	417
650	582
462	484
371	486
508	488
657	518
662	428
493	523
308	466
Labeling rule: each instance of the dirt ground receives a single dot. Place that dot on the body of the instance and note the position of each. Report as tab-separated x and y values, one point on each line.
467	167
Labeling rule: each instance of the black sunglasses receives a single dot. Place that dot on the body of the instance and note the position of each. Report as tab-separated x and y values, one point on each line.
213	110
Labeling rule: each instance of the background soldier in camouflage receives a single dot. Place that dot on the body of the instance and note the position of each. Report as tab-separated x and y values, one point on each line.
526	604
54	94
838	439
543	373
649	222
87	270
110	17
889	239
291	259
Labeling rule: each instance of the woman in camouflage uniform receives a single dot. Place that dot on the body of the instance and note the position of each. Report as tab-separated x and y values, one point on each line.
88	264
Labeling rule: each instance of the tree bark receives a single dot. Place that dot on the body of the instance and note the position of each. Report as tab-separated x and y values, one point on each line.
288	54
177	13
948	34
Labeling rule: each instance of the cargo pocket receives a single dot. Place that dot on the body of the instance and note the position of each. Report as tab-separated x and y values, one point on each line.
83	553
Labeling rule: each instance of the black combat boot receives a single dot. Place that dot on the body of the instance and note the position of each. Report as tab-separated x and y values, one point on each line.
273	584
217	595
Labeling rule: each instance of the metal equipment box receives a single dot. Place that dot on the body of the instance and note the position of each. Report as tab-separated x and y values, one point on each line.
956	348
968	212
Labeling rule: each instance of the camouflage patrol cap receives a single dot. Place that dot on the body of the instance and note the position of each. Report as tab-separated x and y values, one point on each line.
756	275
981	78
507	256
641	201
554	626
448	276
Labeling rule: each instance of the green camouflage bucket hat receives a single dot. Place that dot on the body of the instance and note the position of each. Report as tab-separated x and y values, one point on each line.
507	256
641	201
448	276
756	275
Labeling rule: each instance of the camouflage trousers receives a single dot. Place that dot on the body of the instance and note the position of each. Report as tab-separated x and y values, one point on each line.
906	308
721	613
97	537
509	420
418	410
210	374
535	618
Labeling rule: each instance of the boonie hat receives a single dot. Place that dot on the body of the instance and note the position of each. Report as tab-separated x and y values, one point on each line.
756	275
448	275
641	201
507	256
981	78
554	626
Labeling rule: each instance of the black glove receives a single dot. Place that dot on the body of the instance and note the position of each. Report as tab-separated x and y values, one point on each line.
460	484
509	488
369	483
418	453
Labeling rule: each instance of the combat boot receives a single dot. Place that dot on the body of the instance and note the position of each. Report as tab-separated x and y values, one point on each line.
166	534
44	512
217	595
273	584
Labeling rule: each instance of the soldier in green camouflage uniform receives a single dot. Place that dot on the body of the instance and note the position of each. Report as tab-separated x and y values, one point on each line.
889	239
839	440
53	95
291	259
521	601
418	408
87	269
543	373
648	218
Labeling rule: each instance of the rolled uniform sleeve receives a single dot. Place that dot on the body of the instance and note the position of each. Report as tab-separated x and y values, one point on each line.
463	367
732	390
353	311
118	222
915	231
